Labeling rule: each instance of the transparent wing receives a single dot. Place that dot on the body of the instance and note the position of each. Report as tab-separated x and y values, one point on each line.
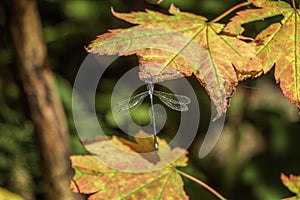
175	106
174	101
130	103
175	98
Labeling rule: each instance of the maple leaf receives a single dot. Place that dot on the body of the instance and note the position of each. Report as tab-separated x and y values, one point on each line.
186	43
267	9
292	183
277	44
138	156
102	182
5	194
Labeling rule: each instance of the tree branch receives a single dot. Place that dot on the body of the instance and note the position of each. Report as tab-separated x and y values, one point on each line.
44	104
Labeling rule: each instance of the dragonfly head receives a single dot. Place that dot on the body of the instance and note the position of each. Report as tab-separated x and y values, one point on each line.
149	80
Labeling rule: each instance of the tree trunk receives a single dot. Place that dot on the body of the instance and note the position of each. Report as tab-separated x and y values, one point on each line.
45	107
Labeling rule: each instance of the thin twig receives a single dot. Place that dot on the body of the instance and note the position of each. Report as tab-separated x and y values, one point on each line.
230	11
202	184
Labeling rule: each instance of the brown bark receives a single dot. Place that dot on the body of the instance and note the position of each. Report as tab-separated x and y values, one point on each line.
45	107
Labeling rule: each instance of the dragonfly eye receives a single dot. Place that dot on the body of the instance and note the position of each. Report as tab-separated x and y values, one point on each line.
149	80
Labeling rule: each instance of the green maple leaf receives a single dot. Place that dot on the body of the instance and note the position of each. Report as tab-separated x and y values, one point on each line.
102	182
186	43
278	44
292	182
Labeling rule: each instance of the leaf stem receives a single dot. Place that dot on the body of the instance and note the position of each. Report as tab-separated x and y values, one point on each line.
231	10
294	4
202	184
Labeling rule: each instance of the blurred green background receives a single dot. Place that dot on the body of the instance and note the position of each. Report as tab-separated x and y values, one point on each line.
259	141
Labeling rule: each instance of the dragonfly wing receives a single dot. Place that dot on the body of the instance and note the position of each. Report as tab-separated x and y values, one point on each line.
130	103
174	98
175	105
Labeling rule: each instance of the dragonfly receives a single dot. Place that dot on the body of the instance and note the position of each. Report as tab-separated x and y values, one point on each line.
174	101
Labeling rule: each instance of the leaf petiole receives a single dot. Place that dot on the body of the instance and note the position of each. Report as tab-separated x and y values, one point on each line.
294	4
230	11
202	184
